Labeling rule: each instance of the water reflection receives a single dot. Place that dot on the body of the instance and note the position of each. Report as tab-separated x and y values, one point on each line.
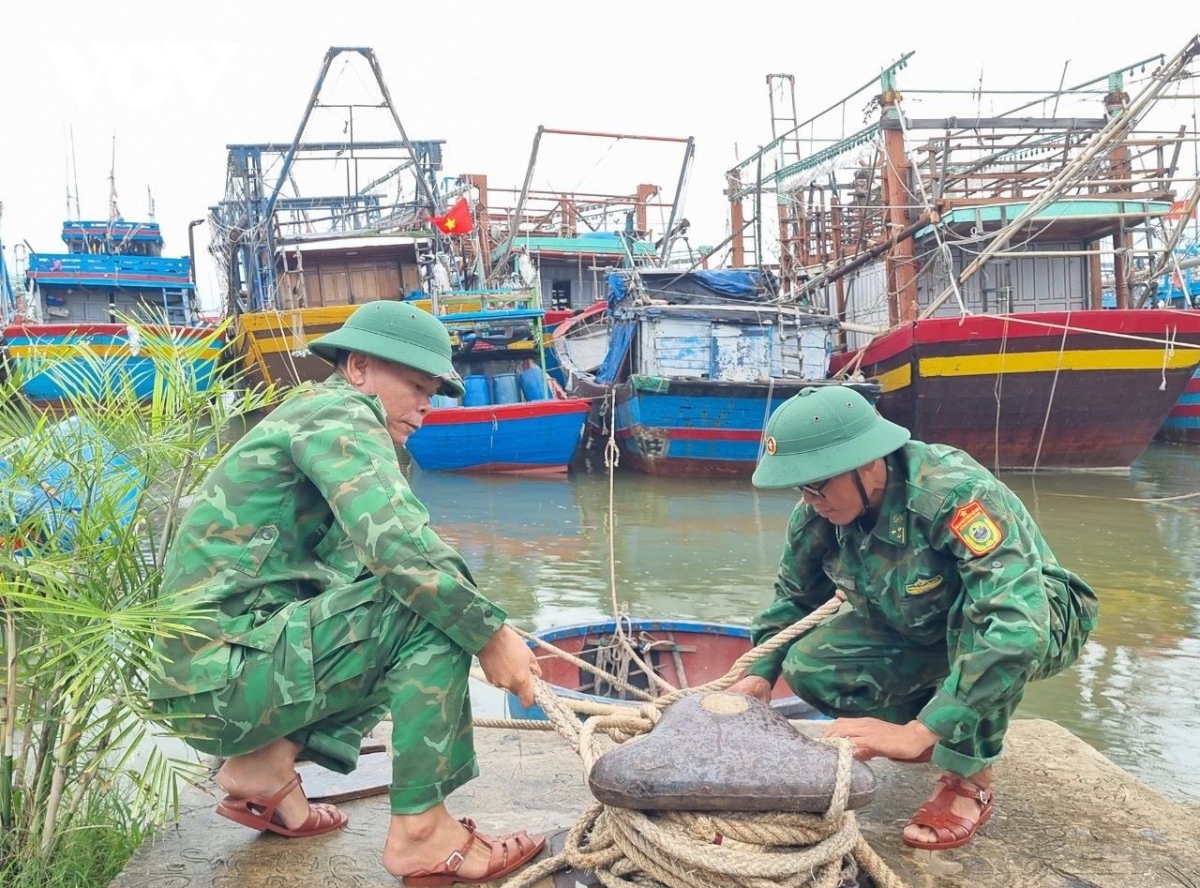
709	550
1136	538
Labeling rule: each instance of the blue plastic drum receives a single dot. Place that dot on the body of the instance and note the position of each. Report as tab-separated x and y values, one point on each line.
506	388
533	384
478	391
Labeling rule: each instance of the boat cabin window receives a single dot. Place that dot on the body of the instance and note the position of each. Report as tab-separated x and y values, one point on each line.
560	294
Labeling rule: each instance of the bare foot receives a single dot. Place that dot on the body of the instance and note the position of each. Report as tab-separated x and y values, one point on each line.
261	774
968	808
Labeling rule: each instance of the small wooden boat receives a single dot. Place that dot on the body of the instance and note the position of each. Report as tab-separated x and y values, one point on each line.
683	653
581	341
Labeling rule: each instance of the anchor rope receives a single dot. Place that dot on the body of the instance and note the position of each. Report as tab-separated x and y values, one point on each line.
684	849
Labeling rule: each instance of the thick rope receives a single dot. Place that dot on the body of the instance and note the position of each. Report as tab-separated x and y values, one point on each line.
683	849
595	707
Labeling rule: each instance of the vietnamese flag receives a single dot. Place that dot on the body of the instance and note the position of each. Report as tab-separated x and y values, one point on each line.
456	220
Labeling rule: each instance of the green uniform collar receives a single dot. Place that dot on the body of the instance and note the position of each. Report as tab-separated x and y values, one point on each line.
891	526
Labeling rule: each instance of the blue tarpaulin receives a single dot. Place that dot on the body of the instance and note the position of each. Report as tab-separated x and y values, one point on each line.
619	338
685	287
730	281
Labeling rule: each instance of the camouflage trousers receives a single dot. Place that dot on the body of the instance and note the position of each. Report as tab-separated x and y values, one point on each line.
370	655
852	667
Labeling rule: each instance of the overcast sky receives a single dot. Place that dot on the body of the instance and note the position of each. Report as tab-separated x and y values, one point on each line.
177	80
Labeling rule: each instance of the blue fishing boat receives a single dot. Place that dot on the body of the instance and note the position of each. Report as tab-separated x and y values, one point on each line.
696	364
75	334
513	417
683	653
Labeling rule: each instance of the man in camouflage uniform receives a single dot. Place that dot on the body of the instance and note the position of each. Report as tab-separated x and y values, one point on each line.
953	599
325	600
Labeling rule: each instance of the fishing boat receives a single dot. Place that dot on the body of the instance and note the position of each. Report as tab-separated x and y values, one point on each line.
512	417
695	367
683	653
344	213
963	253
80	307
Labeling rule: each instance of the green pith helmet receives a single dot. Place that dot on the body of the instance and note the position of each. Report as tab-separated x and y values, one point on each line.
823	432
398	332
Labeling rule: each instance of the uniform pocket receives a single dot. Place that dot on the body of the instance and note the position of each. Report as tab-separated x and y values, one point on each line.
255	553
923	603
345	627
336	550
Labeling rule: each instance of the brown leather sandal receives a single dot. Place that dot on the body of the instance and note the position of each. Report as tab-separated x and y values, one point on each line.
952	831
259	813
509	853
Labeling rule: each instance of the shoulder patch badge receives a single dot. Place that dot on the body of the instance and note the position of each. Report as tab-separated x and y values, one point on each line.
974	526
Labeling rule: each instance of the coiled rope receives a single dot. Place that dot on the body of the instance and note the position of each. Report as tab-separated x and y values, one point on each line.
682	849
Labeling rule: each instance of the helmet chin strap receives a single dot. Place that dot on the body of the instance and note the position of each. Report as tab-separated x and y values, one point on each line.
862	494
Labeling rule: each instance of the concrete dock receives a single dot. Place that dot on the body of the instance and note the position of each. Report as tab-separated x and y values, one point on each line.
1065	817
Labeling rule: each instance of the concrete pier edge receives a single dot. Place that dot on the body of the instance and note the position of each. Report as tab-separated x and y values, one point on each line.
1065	816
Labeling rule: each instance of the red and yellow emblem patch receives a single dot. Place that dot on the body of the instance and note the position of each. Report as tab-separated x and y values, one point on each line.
771	445
974	526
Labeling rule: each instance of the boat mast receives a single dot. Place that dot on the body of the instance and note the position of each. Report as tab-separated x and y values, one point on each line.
897	175
515	223
688	153
113	211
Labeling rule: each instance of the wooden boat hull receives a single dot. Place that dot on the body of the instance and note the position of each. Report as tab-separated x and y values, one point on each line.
530	436
683	653
95	357
272	346
580	342
1077	390
1183	422
700	428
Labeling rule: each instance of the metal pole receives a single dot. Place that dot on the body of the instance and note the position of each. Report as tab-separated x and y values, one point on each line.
269	208
515	222
683	170
369	55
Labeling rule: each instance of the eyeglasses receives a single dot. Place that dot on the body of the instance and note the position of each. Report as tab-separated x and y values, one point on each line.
815	490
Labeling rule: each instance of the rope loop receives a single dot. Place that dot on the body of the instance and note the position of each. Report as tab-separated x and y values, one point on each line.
706	849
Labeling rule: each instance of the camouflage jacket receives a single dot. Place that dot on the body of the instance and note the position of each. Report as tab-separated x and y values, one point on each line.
954	558
310	499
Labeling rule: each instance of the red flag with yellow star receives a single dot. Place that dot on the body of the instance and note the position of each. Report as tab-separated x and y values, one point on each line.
456	220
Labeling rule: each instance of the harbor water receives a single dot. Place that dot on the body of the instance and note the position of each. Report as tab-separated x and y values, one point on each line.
555	552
